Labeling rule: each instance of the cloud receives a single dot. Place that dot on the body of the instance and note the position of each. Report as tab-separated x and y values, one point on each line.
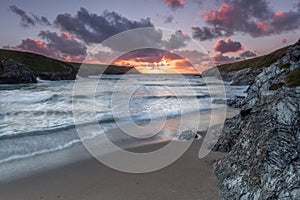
283	40
140	38
205	33
94	28
150	55
177	41
35	46
247	54
284	21
169	19
220	59
238	15
27	20
228	46
65	43
64	47
175	4
254	18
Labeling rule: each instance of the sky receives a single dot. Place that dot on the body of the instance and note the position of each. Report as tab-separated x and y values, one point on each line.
223	30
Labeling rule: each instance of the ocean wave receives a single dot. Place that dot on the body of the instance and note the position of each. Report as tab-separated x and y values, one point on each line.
171	96
39	80
40	152
26	98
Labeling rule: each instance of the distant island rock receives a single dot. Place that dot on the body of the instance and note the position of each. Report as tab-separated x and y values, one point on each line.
22	67
262	142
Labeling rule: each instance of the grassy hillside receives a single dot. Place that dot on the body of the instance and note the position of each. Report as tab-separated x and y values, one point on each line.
293	78
35	62
89	69
257	62
39	63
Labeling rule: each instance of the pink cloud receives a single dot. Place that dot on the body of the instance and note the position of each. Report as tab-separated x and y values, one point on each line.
174	4
262	26
224	14
66	35
228	46
279	14
283	40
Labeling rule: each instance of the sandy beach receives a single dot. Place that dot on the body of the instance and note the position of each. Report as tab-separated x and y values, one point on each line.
188	178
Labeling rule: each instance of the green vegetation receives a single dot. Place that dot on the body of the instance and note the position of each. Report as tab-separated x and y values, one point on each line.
35	62
293	78
1	69
90	69
39	63
284	66
276	86
255	63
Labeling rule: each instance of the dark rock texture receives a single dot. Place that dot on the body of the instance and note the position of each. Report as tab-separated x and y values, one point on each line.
263	141
56	76
12	72
241	77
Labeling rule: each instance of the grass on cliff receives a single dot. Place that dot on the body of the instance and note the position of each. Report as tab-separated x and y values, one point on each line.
112	69
40	63
293	78
255	63
35	62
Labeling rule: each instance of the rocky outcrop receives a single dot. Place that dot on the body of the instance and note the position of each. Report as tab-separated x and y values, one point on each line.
241	77
263	141
56	76
12	72
25	67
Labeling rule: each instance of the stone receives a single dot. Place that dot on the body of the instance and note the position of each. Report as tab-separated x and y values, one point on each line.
188	135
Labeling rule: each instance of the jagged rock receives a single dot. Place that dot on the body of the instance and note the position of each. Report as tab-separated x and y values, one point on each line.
241	77
263	141
219	101
236	102
188	135
56	76
14	72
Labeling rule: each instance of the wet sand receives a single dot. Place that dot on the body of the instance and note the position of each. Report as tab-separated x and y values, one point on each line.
188	178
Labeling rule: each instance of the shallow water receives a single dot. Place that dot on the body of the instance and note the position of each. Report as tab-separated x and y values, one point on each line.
39	118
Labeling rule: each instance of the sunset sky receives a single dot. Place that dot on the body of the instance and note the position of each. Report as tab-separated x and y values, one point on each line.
228	30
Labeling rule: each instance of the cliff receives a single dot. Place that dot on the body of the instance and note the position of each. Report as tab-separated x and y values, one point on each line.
23	67
263	141
244	72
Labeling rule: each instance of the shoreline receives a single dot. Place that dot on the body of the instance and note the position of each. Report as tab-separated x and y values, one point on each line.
89	179
74	174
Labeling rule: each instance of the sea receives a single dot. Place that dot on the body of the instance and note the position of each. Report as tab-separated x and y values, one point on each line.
38	119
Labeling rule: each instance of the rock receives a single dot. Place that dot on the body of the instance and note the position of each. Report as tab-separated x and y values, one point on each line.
263	141
188	135
241	77
219	101
236	102
13	72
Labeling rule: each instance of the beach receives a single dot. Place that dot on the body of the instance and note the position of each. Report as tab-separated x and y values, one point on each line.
187	178
44	157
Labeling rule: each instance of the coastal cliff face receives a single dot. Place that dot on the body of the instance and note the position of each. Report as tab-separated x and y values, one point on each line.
22	67
263	141
12	72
